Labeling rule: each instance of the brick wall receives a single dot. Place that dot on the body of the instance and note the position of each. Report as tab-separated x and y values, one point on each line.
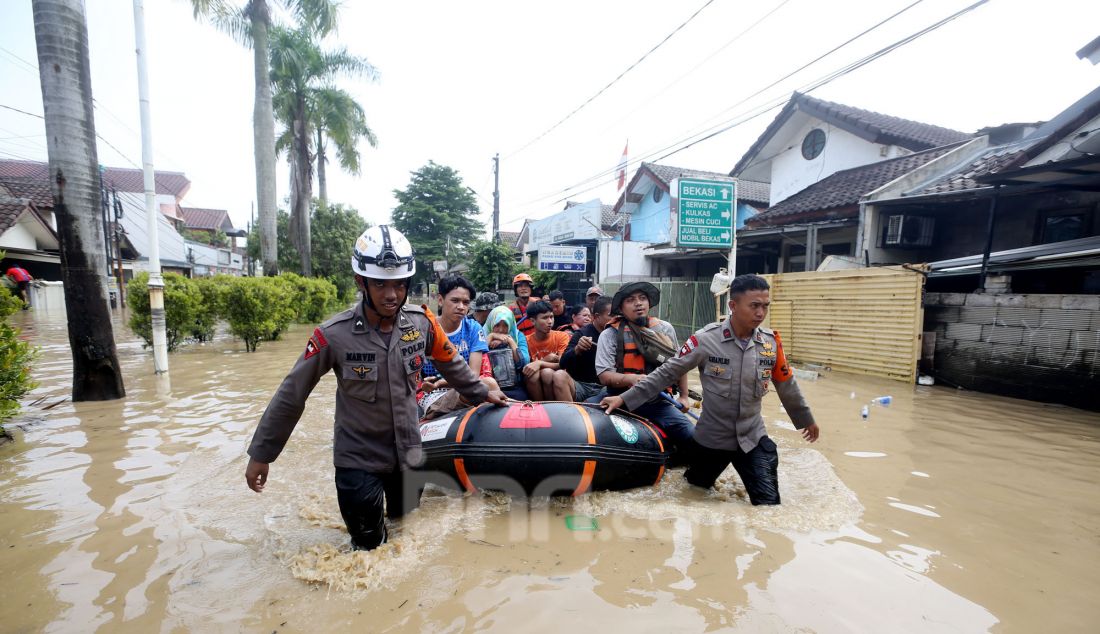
1038	347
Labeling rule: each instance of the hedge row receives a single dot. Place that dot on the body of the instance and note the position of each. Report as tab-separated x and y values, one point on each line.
256	308
16	356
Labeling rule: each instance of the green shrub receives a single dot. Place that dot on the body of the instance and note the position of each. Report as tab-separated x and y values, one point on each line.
259	308
16	356
183	307
213	290
314	298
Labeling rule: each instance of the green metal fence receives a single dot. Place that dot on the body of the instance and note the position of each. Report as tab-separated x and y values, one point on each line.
688	306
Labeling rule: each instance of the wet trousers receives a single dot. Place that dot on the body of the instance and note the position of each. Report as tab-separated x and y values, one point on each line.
367	498
759	469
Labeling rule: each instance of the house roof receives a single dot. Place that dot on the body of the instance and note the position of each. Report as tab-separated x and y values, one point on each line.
873	126
211	219
121	178
842	191
38	191
509	237
965	176
10	211
1054	131
14	209
747	190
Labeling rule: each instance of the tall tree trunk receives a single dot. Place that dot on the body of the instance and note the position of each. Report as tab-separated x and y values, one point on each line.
322	184
61	36
301	187
263	124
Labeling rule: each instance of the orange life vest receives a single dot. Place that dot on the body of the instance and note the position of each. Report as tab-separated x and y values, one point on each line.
526	326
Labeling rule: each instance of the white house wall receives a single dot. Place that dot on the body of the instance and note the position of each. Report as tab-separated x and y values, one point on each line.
790	173
18	237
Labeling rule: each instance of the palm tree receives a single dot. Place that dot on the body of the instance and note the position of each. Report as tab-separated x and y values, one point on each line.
61	36
341	119
250	24
310	107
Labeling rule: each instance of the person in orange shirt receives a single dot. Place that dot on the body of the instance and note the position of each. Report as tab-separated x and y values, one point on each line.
543	376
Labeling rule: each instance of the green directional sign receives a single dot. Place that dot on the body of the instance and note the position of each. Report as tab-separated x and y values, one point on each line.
705	213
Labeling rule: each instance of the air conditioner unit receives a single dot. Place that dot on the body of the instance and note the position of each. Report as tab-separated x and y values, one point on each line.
909	231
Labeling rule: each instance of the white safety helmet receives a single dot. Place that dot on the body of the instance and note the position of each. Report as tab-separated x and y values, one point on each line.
383	253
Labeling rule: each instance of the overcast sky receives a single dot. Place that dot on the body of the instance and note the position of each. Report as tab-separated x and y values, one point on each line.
460	81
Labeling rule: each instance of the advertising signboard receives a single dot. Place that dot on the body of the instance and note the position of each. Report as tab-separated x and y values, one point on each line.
572	259
704	212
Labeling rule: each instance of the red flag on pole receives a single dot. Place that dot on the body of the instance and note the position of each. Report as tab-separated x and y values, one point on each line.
622	167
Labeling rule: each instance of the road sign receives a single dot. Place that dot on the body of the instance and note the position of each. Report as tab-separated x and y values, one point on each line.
705	211
439	266
574	259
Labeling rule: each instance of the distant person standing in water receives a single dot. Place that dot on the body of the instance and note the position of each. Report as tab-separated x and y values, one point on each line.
738	360
377	350
22	280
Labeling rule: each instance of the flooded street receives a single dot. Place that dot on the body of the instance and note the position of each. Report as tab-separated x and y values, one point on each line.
946	512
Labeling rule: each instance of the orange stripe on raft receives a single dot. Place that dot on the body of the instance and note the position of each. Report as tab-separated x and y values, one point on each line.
588	425
586	477
660	472
656	436
462	425
460	470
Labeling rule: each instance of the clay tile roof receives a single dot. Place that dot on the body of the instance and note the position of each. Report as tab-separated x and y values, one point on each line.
10	210
841	191
37	191
212	219
122	178
877	127
509	237
965	177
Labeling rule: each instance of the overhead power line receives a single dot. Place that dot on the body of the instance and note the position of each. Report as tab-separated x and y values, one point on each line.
729	124
611	83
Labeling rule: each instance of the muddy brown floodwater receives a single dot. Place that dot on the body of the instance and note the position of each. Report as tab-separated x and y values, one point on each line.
948	511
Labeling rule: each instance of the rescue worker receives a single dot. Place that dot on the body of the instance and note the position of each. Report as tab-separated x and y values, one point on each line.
621	361
377	350
522	285
738	360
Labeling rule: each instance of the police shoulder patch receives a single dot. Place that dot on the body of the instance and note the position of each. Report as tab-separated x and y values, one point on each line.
689	345
316	342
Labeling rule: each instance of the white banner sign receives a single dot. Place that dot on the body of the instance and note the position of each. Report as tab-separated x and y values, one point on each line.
579	222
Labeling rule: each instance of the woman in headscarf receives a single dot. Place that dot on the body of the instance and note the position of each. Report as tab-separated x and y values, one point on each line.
501	332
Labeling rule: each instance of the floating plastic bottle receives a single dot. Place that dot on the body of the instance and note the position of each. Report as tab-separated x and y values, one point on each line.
883	401
865	412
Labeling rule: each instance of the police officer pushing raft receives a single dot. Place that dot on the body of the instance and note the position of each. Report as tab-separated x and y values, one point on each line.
376	350
737	360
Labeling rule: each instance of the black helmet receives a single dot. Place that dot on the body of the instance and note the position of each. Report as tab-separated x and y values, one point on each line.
626	290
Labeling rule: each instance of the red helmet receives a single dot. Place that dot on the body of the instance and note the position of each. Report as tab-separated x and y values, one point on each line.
522	277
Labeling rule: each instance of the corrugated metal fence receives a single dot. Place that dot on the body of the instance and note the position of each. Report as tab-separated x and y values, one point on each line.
866	321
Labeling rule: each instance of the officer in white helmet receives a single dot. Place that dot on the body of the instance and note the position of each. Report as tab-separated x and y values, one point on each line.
376	350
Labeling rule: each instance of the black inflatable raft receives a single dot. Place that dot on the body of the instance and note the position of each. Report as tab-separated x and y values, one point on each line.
549	448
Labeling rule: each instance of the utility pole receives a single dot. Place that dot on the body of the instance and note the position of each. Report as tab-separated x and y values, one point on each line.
156	282
496	198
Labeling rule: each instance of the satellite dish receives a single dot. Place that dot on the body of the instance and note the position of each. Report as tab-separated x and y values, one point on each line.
721	282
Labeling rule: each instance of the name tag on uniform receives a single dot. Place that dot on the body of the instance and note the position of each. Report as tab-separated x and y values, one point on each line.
360	371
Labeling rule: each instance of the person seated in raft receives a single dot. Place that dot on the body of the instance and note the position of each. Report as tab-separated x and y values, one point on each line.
434	396
485	302
737	360
557	302
579	317
544	379
632	347
579	358
502	334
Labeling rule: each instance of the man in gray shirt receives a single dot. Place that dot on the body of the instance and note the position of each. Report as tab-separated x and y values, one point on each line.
738	360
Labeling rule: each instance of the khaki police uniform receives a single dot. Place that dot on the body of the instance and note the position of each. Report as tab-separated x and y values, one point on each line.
376	418
734	381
